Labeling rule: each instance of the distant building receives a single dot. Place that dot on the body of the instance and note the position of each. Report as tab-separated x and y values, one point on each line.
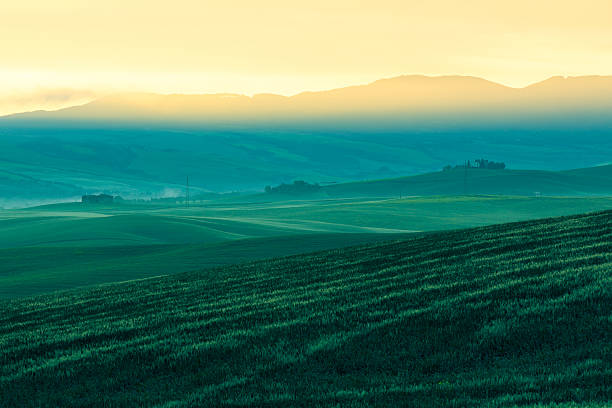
97	199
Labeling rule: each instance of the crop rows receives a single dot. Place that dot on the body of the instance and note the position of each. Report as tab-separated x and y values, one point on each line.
507	315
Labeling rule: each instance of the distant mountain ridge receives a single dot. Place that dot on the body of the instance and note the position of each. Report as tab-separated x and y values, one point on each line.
411	95
144	145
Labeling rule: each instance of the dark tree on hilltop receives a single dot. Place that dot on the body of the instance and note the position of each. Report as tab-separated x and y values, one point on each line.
490	165
298	186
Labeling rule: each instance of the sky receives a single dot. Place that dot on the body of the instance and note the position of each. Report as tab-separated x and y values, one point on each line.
68	50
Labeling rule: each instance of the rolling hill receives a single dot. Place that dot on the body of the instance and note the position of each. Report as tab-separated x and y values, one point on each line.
28	271
413	96
500	316
143	145
64	246
579	182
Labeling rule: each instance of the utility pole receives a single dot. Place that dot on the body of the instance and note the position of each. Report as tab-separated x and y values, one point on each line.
187	193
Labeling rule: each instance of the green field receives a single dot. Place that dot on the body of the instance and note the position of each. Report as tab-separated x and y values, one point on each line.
579	182
33	270
501	316
56	160
69	245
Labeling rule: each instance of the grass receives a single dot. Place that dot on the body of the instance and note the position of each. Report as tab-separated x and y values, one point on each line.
49	159
590	181
74	224
505	315
71	245
34	270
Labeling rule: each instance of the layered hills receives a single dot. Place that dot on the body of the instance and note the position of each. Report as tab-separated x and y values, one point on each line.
416	98
145	145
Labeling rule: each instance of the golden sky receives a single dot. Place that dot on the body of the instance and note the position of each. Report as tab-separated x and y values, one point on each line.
284	46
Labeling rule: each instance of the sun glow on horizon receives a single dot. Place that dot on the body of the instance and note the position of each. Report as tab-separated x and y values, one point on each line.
272	46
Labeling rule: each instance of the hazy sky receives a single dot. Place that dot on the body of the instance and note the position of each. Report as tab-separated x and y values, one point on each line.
288	46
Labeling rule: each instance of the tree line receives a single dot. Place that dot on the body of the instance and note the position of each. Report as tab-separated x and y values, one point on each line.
478	164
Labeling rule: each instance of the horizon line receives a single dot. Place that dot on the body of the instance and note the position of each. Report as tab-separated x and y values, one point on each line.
105	94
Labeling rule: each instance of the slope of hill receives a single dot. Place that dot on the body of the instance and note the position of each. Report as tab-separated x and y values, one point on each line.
28	271
411	95
142	145
71	245
591	181
500	316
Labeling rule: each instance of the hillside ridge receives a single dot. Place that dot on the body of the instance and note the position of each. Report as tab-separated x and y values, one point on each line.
505	315
414	93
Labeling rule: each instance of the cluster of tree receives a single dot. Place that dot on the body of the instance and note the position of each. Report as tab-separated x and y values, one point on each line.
100	199
478	164
491	165
298	186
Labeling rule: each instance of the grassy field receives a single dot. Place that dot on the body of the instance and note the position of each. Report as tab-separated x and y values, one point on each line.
33	270
74	224
48	159
501	316
580	182
70	245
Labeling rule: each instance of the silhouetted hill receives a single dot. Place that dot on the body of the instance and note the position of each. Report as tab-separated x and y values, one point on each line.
411	95
143	145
